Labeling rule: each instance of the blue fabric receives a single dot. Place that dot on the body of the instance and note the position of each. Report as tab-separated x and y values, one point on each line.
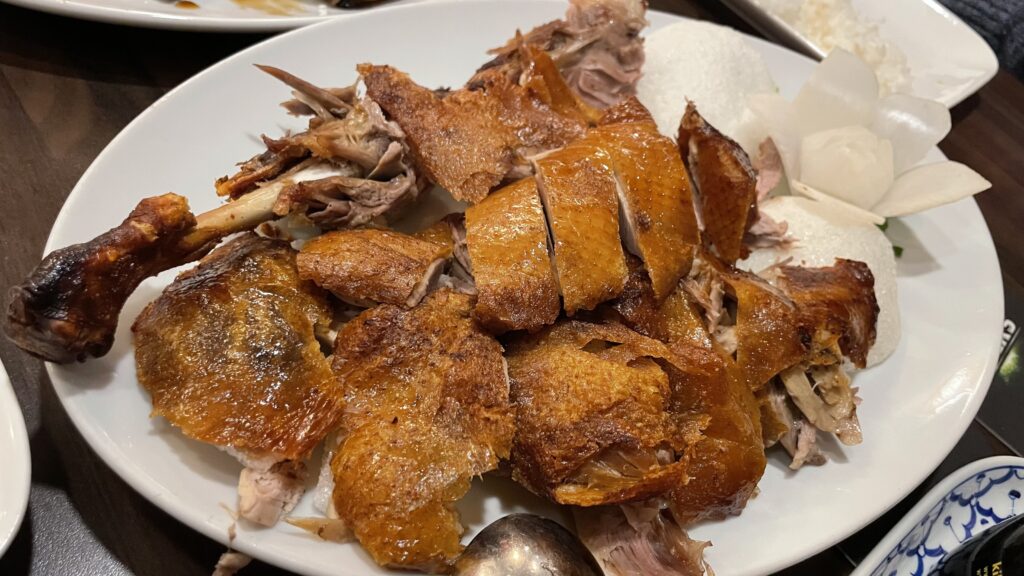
1000	23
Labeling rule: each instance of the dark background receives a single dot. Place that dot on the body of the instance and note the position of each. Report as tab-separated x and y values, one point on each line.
68	87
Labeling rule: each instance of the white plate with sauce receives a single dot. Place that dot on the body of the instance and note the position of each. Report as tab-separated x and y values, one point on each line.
948	60
15	463
205	15
915	406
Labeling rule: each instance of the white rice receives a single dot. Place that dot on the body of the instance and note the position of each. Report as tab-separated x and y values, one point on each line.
832	24
824	234
709	64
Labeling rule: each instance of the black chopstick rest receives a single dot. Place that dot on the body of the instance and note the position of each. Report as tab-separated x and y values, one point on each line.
998	551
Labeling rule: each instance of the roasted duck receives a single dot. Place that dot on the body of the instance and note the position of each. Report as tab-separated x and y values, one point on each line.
727	462
654	193
366	267
427	409
647	405
790	334
622	167
541	92
507	239
228	354
593	415
351	167
578	189
838	310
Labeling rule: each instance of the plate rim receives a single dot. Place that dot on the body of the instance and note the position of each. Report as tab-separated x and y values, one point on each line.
19	440
166	502
183	22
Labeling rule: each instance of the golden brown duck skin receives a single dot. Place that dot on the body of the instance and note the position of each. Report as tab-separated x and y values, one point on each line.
592	415
458	141
228	353
536	104
658	220
368	266
427	410
726	184
726	464
578	190
508	246
769	334
468	140
837	303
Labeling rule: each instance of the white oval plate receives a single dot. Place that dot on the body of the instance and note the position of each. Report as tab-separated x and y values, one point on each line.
16	477
208	16
916	405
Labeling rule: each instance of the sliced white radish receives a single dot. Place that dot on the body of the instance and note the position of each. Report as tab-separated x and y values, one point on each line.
849	163
854	213
929	186
842	91
912	124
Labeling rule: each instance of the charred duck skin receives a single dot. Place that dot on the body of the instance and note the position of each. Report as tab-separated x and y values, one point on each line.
67	308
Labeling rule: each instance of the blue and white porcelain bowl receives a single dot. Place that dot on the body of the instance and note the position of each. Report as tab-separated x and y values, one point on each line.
965	504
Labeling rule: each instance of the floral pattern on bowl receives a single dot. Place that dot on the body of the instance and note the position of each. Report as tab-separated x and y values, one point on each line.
968	502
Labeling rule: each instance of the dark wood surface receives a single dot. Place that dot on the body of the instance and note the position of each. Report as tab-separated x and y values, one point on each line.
67	87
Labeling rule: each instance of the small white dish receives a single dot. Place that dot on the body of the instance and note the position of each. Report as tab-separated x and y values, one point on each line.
16	474
948	60
968	502
202	15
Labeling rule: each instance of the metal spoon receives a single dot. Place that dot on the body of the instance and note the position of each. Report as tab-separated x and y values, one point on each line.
526	545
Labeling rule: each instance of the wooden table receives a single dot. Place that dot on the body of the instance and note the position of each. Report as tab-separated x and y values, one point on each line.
68	87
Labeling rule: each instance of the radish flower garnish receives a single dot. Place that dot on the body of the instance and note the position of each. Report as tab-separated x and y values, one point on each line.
842	144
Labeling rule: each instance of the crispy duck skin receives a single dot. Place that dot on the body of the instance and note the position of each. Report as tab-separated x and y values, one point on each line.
458	141
838	302
592	420
727	463
427	410
770	336
801	316
439	233
578	189
537	105
67	309
229	355
726	184
469	140
370	266
508	247
656	201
